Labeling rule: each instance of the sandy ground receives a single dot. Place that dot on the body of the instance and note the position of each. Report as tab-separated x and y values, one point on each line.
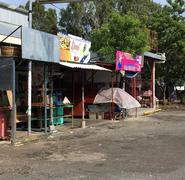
151	147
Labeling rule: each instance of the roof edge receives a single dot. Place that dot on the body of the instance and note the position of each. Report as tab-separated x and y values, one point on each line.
160	57
13	8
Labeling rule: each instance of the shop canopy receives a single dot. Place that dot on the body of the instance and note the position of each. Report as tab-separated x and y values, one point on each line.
84	66
159	58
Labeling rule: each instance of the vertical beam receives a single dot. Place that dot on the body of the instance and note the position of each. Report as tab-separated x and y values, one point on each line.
51	100
92	79
73	86
29	96
83	102
13	130
134	87
153	84
83	99
112	104
30	14
45	97
29	75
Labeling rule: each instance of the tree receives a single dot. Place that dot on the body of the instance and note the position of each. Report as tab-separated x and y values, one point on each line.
142	9
81	18
50	20
170	26
120	32
44	20
71	19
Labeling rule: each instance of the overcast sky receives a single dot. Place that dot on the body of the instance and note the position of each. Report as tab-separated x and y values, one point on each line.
23	2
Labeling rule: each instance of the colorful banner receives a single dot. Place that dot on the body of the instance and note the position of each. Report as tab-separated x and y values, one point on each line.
75	49
125	61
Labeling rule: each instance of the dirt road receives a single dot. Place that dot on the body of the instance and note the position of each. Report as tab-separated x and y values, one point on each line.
151	147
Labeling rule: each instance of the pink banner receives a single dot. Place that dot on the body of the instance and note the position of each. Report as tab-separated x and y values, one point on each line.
125	61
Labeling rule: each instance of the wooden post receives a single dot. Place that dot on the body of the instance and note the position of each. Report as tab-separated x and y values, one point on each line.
83	102
45	97
152	87
13	125
134	87
73	86
112	104
52	127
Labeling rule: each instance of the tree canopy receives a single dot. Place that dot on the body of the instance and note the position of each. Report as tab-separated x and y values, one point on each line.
44	20
170	26
120	32
80	18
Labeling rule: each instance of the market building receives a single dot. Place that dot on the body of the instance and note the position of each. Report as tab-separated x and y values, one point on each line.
45	78
30	61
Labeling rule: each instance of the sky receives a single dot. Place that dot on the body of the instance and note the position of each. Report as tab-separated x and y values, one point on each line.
23	2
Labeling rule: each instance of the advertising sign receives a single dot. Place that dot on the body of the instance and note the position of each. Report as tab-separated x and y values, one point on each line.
125	61
40	46
74	49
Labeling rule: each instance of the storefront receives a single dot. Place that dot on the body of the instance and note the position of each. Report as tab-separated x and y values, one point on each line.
44	80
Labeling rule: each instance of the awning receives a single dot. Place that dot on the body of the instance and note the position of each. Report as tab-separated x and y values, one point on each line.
84	66
159	58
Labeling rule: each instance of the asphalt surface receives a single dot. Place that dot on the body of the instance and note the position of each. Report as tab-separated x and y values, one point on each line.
150	147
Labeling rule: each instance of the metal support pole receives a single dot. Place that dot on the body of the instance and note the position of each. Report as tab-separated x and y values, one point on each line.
52	128
30	76
29	96
45	97
112	104
73	85
13	130
30	14
83	101
153	84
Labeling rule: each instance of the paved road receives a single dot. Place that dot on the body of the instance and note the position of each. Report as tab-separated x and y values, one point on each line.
151	147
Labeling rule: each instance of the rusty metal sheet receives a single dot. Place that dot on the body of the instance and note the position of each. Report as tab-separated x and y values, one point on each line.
40	46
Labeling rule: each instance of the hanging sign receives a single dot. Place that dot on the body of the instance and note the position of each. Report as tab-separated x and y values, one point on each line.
74	49
125	61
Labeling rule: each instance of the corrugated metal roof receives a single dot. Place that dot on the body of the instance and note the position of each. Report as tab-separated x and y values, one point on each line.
13	8
13	17
84	66
158	57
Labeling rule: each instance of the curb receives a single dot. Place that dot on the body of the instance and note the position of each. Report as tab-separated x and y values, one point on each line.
151	112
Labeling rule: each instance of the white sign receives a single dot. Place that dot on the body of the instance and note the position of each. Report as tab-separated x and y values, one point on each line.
75	49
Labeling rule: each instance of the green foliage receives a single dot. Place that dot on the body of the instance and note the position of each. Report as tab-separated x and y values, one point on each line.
142	9
176	7
80	18
71	19
44	20
51	21
170	26
120	32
